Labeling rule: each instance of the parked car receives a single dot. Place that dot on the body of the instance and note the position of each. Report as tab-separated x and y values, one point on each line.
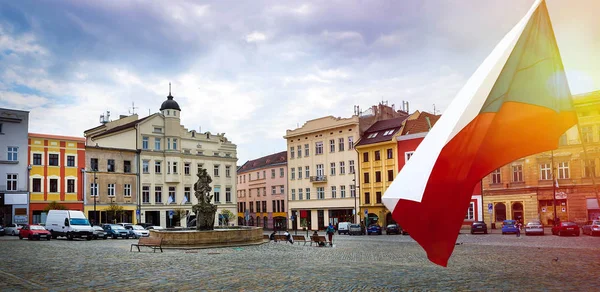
154	227
392	229
13	229
139	231
2	231
591	227
343	227
355	229
34	232
99	232
509	226
69	223
145	225
565	228
534	227
374	228
115	231
126	225
478	226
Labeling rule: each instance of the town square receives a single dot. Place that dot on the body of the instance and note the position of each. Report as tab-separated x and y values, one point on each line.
301	145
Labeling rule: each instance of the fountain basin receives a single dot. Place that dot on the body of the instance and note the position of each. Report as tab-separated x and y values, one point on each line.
220	237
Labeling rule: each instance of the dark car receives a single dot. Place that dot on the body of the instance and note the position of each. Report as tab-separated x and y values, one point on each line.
565	228
478	227
2	232
392	229
115	230
374	228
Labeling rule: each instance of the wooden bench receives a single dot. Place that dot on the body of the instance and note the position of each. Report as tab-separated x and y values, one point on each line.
317	240
300	238
151	242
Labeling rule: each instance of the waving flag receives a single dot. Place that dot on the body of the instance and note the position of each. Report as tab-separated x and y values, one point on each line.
516	104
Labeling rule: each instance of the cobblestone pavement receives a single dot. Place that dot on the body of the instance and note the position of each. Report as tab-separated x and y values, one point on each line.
381	263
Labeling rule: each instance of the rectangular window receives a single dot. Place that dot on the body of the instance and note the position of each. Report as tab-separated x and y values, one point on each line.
53	159
258	175
352	191
186	168
251	207
517	173
272	173
332	168
307	172
341	144
318	148
377	155
13	153
306	150
320	193
390	173
264	206
350	142
378	176
408	155
127	190
110	165
351	166
278	206
333	192
273	190
216	170
145	167
174	143
228	195
366	177
70	186
157	165
366	157
300	172
293	194
299	151
157	144
37	185
282	206
281	189
281	173
292	152
94	189
158	194
308	193
258	207
590	168
496	178
563	170
94	164
146	194
111	190
471	212
274	207
186	194
587	134
342	192
293	173
320	170
70	161
332	145
11	182
545	171
127	166
378	197
53	185
390	153
199	167
367	198
145	143
217	194
342	167
175	167
37	159
299	194
172	197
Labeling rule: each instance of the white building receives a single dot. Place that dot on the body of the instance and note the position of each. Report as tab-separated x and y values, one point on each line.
14	205
169	159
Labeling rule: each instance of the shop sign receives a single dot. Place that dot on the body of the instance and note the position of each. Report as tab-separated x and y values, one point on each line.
544	209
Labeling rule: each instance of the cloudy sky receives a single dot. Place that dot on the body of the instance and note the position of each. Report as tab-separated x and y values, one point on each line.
253	69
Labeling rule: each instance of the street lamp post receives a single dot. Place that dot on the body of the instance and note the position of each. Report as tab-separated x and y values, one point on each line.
554	182
95	195
29	194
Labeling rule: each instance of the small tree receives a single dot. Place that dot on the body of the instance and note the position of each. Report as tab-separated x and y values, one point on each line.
54	206
228	216
115	210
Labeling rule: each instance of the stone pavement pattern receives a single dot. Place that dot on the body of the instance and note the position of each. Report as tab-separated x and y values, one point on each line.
383	263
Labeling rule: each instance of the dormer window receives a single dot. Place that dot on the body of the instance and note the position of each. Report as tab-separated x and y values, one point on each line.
388	132
157	130
373	135
168	112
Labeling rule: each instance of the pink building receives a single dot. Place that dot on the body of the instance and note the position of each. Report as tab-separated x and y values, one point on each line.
262	192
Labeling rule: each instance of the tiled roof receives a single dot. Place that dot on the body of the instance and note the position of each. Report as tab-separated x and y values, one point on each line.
420	124
120	128
272	159
56	137
391	126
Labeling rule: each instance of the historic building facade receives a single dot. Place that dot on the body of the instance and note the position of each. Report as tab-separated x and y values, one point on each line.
170	157
262	190
321	167
112	177
14	165
56	176
564	180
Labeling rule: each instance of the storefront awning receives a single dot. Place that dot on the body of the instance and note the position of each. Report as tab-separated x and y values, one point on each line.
592	204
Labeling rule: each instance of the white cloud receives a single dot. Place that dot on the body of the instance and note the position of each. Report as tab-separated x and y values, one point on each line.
255	37
20	100
23	44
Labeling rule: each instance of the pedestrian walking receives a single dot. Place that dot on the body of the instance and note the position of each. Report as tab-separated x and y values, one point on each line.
518	225
330	231
288	237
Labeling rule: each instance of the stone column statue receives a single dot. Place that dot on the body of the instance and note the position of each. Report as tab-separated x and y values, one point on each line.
205	210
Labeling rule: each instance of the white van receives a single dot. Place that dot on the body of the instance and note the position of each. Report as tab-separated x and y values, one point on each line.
343	227
68	223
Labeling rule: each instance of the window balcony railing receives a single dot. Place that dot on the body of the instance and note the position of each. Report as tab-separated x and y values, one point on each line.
318	178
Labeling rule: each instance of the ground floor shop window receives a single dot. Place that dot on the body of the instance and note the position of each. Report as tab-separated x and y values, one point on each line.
500	212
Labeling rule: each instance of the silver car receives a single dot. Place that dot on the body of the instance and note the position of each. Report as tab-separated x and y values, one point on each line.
592	228
534	227
140	231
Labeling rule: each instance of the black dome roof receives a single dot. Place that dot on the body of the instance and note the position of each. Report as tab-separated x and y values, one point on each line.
170	104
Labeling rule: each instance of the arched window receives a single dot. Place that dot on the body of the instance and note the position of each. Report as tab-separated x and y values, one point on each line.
257	220
500	211
517	211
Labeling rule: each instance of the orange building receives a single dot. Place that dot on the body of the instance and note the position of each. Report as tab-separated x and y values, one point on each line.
55	176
